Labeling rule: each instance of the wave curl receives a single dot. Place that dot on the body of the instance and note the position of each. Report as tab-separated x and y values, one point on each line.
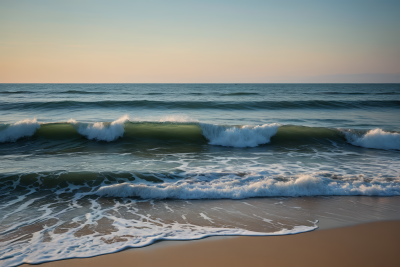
18	130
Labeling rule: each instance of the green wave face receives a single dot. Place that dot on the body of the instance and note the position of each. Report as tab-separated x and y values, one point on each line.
164	131
301	134
57	131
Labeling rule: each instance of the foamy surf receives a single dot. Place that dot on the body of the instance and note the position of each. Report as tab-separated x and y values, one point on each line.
243	136
19	130
185	129
253	186
100	131
68	245
376	138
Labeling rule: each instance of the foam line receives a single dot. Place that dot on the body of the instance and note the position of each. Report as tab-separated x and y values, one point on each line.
67	246
18	130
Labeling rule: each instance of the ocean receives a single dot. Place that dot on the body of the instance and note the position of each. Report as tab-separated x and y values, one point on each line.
90	169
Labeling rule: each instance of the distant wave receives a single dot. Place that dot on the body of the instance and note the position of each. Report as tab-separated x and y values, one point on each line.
83	92
192	93
376	138
16	92
237	105
354	93
388	93
239	94
61	92
18	130
345	93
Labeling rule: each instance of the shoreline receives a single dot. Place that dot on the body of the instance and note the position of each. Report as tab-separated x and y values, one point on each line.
368	244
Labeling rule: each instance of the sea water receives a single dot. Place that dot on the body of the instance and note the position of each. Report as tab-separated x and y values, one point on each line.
89	169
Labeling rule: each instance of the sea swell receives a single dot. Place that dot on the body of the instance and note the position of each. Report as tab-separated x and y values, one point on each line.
100	131
256	186
236	105
203	185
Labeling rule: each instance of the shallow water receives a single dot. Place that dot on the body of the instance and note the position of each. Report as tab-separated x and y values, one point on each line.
88	169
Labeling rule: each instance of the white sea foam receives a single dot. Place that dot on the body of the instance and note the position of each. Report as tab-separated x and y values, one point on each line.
175	118
252	186
100	131
376	138
66	245
72	121
149	224
244	136
18	130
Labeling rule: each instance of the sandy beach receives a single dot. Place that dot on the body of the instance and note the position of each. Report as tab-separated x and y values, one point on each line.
371	244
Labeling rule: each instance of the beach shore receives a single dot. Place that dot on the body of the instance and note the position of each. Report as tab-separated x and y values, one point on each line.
371	244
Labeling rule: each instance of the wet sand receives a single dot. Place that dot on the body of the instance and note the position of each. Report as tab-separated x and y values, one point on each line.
371	244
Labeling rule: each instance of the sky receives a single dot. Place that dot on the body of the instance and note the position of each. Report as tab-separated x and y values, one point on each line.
219	41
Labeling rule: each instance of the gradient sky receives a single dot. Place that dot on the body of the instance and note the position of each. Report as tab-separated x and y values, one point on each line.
199	41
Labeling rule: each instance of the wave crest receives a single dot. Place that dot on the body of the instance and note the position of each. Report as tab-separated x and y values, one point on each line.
244	136
185	129
231	188
18	130
100	131
376	138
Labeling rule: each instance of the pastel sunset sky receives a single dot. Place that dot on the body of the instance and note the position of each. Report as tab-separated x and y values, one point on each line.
84	41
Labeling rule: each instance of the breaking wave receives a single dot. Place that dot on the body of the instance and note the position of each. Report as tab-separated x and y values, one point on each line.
183	129
100	131
18	130
233	188
376	138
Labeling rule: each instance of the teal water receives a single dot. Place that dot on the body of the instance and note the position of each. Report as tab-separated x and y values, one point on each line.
88	169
